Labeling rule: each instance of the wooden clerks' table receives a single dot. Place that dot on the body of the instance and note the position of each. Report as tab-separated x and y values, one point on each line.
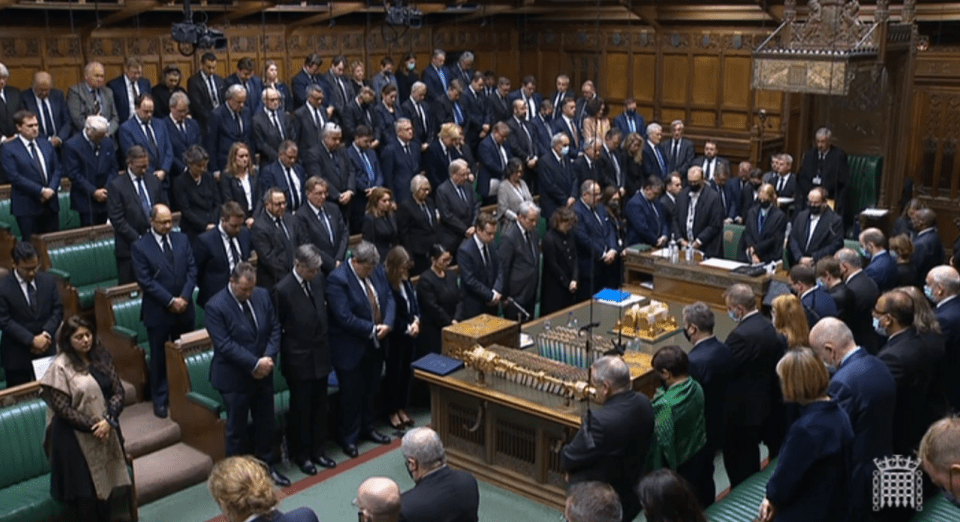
510	434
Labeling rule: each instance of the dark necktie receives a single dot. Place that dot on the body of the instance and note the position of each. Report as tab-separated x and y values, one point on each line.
234	252
406	149
236	118
461	193
820	159
49	126
423	119
144	197
663	167
276	123
326	223
676	152
214	100
426	212
36	158
781	181
136	92
530	244
653	207
294	192
183	130
526	132
282	227
248	311
486	256
723	199
167	250
317	119
152	138
96	102
32	293
306	290
343	90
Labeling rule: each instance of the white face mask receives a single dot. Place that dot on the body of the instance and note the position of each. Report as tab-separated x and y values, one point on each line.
565	150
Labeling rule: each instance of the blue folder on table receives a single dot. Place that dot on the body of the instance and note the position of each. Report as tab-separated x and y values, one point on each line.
437	364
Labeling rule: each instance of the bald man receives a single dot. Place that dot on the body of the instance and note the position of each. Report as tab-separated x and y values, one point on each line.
91	96
942	286
865	389
378	500
50	106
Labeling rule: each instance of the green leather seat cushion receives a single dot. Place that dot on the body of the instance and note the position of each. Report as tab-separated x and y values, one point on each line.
731	240
127	315
7	220
743	502
21	437
29	501
87	263
937	509
87	292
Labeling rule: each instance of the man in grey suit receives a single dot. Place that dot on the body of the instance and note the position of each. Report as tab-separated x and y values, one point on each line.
91	97
679	150
519	254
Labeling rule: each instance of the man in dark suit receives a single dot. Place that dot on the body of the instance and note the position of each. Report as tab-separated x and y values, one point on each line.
542	130
30	314
596	241
367	172
474	104
9	105
828	272
630	120
671	189
415	108
865	293
519	254
359	111
567	124
927	246
480	273
335	166
435	77
418	224
250	82
817	231
228	124
184	132
764	228
301	306
273	238
494	156
308	75
498	103
522	142
914	364
784	181
143	130
561	93
750	190
527	93
89	162
655	162
337	89
205	89
729	192
320	223
611	162
882	268
270	127
91	97
816	302
246	340
308	123
646	222
825	166
166	272
558	182
698	220
169	83
50	106
441	494
286	174
942	287
130	198
440	153
457	205
612	442
220	250
678	151
712	365
448	109
127	88
710	162
359	323
865	389
33	169
400	161
751	395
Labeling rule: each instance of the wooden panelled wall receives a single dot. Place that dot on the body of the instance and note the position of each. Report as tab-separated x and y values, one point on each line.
934	137
700	76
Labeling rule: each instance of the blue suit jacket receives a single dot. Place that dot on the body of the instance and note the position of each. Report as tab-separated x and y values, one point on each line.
273	175
237	345
622	122
120	98
431	78
299	84
87	171
558	183
351	320
213	265
883	270
948	315
650	165
363	179
490	163
592	237
162	282
820	302
222	133
559	125
477	280
712	365
865	389
26	178
181	141
399	168
643	224
58	110
731	194
254	90
131	133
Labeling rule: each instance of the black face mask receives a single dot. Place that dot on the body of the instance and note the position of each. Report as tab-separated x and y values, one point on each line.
686	333
695	188
765	205
815	210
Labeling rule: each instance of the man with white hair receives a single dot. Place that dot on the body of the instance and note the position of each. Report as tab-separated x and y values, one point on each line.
90	97
442	494
378	500
229	123
612	442
89	161
679	150
9	104
655	162
825	166
942	286
270	126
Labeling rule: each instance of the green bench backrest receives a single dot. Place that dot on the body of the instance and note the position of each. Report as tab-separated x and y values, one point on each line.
69	219
198	370
21	437
937	509
744	501
865	172
7	219
731	240
87	263
127	314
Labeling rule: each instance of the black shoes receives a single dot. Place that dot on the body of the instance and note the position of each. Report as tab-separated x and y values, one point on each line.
325	461
279	478
160	410
376	436
351	450
307	467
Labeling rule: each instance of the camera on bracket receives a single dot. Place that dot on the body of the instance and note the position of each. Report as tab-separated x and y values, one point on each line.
404	16
198	35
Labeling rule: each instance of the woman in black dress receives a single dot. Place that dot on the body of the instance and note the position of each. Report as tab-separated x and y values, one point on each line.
633	147
196	195
439	297
271	78
240	181
559	263
901	248
82	388
388	112
407	75
403	336
380	222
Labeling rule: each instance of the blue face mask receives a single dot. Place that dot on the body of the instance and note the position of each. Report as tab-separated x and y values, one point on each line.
927	291
565	150
893	255
820	284
733	316
411	66
865	253
881	331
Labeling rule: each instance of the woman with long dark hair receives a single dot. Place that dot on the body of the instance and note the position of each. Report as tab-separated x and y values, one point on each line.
666	497
403	338
439	297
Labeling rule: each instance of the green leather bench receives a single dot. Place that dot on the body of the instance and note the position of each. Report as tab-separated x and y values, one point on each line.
937	509
86	267
731	240
864	185
69	219
25	474
743	502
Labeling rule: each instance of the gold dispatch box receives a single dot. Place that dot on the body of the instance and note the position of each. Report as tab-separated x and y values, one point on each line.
484	330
